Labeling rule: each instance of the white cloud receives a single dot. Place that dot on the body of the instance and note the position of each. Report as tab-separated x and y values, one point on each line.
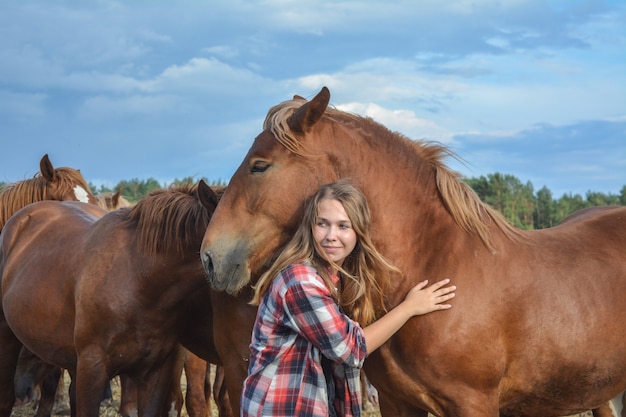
402	121
176	72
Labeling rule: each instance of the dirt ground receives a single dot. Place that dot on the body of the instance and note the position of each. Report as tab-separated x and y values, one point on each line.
110	408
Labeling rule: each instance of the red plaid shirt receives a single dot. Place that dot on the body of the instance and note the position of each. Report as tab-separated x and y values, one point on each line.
298	327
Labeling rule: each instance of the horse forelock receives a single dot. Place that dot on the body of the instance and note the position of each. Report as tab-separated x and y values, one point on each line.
169	219
276	123
468	211
68	178
19	194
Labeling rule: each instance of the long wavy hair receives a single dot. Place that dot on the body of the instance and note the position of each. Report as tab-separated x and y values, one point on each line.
365	273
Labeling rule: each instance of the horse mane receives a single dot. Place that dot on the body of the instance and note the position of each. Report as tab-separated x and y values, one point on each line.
168	219
19	194
469	212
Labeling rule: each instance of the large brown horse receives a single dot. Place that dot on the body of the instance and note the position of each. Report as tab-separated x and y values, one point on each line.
102	295
537	327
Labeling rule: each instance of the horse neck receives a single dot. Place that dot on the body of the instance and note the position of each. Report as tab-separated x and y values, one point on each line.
390	171
16	196
412	194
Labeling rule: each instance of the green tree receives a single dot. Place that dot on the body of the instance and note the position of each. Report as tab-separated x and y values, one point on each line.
544	209
566	205
135	189
508	195
601	199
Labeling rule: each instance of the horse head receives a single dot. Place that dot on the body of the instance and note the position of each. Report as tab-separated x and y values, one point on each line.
266	205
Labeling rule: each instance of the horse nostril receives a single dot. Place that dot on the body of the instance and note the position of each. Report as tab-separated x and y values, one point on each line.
207	262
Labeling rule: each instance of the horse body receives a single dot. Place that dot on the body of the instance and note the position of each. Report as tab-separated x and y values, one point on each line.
56	184
99	295
537	326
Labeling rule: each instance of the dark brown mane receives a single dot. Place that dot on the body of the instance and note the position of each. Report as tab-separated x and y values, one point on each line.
19	194
169	219
463	204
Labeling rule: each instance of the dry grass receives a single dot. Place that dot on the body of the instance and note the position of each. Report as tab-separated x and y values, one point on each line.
110	408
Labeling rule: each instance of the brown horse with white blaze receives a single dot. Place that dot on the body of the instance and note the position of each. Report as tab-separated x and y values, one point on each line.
50	183
537	327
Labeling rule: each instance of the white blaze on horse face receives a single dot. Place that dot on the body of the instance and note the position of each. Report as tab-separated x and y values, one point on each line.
81	194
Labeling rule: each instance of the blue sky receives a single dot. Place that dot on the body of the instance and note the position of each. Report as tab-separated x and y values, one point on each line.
176	89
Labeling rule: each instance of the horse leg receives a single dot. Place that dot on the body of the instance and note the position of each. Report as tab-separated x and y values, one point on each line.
604	410
390	407
128	400
158	391
197	402
49	386
220	394
9	353
369	393
613	408
33	374
174	405
88	383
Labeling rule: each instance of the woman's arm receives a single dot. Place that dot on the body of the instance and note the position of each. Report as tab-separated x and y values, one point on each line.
419	300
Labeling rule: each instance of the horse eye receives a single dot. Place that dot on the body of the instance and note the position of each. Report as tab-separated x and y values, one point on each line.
260	166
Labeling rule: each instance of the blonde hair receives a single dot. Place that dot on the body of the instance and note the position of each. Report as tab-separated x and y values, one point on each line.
365	273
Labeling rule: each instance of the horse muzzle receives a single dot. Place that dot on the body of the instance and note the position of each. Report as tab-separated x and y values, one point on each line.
225	273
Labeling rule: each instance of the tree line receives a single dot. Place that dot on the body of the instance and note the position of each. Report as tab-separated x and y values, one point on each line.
518	202
527	209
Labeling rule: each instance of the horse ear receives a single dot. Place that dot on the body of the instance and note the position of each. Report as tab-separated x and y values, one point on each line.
46	168
207	196
310	112
116	198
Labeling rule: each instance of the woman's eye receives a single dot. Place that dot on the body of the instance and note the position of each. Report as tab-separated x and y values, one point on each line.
260	166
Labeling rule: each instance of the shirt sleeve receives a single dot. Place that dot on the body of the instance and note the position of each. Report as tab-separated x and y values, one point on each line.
312	312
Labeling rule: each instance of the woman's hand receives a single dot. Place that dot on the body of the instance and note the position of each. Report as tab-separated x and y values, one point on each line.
421	299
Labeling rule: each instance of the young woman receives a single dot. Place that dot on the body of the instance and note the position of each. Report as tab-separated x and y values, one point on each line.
322	311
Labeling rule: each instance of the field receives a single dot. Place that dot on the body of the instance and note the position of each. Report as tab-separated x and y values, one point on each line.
110	408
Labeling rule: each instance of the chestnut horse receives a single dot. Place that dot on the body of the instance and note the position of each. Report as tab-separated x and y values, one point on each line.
112	201
59	184
100	295
537	327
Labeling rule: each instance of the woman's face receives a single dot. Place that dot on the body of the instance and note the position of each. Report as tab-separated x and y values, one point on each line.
333	231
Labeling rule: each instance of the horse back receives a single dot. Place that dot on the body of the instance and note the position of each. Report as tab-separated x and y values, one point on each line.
38	245
570	333
547	315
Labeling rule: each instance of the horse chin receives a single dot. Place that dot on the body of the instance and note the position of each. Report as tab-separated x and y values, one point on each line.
230	287
233	287
231	283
